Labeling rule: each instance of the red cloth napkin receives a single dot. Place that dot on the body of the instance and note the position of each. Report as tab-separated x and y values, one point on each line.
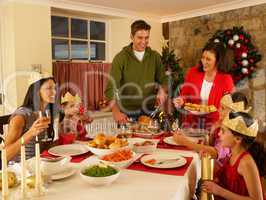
180	171
81	131
66	138
74	159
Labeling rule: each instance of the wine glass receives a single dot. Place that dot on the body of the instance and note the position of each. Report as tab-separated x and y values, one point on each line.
46	136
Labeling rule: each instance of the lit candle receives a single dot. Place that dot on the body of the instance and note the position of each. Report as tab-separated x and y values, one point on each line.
23	168
4	173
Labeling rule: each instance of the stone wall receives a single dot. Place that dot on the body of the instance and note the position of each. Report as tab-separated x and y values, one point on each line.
188	36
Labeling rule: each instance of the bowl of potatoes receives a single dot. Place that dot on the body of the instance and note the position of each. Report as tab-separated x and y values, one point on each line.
105	144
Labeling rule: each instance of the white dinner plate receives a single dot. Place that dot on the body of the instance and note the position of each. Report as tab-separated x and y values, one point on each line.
196	112
168	160
69	171
170	140
195	132
148	134
69	150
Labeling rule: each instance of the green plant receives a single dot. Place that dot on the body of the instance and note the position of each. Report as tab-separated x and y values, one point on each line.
174	72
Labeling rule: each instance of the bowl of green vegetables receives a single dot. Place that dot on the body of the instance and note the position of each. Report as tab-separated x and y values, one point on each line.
99	174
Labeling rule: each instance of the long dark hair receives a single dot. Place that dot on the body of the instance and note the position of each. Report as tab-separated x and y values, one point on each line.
253	146
32	101
221	55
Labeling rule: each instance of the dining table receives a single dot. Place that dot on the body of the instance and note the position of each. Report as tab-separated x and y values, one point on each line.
134	182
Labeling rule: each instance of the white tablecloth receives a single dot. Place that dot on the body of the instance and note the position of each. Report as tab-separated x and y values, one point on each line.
130	185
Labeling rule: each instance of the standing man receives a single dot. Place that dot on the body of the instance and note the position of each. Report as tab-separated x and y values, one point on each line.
137	79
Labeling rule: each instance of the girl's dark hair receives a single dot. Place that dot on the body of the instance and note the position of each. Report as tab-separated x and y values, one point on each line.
239	96
254	147
32	101
221	55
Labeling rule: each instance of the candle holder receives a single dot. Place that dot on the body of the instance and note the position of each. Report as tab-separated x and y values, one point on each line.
207	171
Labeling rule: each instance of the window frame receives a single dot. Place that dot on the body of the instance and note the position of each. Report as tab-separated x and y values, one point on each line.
69	38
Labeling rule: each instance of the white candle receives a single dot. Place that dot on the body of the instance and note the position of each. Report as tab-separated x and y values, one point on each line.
37	169
23	169
4	174
38	177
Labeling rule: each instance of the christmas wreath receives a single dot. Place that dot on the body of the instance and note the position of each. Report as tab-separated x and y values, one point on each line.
246	55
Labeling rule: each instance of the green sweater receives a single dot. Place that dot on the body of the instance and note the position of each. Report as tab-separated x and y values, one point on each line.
135	79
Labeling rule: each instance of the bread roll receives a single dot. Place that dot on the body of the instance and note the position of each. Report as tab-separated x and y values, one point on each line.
110	139
100	139
92	143
114	146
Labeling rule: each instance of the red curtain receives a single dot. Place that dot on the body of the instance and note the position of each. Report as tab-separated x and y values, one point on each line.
88	80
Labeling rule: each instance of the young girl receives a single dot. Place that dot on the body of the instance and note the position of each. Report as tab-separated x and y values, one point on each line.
239	177
74	119
229	102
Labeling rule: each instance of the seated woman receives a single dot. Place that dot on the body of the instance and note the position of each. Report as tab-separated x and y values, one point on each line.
74	120
236	102
25	122
239	177
206	84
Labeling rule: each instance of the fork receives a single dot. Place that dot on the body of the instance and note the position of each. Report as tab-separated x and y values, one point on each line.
166	160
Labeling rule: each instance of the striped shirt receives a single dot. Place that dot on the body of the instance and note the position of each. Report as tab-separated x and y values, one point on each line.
29	117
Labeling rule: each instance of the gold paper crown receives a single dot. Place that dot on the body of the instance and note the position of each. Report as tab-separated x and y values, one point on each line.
238	124
227	101
70	98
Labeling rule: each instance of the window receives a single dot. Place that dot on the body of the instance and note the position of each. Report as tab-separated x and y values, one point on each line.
78	39
60	49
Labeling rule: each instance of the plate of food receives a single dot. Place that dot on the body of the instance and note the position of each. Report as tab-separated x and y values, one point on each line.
163	161
146	124
148	135
99	174
170	140
104	144
199	109
141	145
121	158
